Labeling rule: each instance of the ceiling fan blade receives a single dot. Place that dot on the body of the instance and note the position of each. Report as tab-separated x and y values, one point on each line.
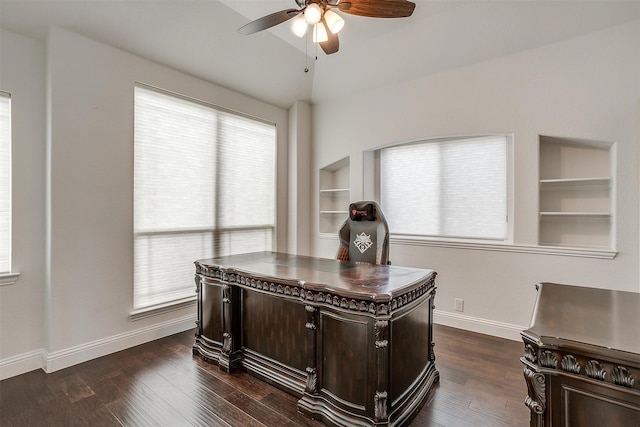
268	21
332	44
380	8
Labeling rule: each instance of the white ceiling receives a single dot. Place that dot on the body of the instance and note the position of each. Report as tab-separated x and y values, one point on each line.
199	37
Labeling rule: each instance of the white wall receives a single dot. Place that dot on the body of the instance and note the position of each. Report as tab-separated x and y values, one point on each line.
586	87
86	289
22	73
73	298
299	153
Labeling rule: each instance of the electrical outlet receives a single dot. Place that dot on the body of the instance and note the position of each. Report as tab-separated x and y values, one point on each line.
459	304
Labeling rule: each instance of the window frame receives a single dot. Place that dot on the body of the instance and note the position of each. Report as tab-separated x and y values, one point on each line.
372	190
139	312
7	277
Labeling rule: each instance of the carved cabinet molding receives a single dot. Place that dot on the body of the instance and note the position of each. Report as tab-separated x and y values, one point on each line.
579	371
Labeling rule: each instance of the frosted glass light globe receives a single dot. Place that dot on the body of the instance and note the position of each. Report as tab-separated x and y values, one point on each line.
313	13
334	21
299	26
319	33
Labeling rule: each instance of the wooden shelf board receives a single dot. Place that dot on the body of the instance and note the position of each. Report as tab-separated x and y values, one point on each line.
576	180
335	190
591	214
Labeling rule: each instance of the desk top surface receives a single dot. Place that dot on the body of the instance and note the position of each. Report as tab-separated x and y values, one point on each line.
371	281
598	317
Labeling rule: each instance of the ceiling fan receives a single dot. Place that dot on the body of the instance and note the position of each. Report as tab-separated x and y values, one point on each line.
325	21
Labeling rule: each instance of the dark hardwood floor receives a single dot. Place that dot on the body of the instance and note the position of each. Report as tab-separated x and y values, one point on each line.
161	384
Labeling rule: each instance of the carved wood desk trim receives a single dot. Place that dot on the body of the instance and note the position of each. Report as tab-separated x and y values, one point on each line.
582	357
352	340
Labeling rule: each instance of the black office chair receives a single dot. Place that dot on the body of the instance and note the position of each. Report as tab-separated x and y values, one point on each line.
364	236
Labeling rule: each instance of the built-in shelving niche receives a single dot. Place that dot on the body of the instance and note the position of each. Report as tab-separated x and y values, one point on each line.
335	195
577	192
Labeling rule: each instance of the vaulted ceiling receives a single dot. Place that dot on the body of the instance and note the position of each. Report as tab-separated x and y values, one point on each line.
200	37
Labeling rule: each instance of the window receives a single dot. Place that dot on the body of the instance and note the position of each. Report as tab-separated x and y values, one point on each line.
450	188
5	183
204	186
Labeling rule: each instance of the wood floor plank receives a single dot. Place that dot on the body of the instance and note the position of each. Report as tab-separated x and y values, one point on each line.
161	383
233	415
95	414
151	388
287	405
260	411
74	387
128	413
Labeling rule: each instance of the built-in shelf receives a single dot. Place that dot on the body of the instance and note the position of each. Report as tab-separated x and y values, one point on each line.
577	214
576	193
335	195
575	183
336	190
595	180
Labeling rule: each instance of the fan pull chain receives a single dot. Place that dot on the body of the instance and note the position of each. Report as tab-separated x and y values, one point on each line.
306	54
316	44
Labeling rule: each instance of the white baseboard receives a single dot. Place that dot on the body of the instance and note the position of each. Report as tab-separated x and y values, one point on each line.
72	356
16	365
51	362
476	324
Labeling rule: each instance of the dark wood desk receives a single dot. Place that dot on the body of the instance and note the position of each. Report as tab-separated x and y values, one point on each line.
582	357
352	340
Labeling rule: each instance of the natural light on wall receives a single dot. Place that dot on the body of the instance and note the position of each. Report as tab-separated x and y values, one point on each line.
5	182
204	186
451	188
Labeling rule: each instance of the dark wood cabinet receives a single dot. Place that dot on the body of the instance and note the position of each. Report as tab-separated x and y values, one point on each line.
352	340
582	357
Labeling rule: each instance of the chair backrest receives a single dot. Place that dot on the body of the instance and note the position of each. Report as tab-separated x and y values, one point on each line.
364	236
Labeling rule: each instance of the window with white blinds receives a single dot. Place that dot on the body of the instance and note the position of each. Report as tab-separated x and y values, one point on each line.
452	188
5	182
204	186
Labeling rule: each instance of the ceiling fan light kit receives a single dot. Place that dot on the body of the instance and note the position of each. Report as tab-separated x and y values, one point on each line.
313	13
334	21
320	33
325	21
299	25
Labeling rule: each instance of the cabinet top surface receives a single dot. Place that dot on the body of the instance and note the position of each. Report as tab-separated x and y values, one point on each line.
371	281
597	317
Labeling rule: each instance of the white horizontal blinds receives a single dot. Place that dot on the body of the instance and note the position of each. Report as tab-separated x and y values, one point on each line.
5	182
245	194
247	182
175	157
204	187
446	188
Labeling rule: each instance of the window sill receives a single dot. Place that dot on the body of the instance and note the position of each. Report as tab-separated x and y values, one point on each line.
155	310
7	279
503	247
497	247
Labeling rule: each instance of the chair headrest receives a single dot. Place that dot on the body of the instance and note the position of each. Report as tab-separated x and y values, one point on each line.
362	211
